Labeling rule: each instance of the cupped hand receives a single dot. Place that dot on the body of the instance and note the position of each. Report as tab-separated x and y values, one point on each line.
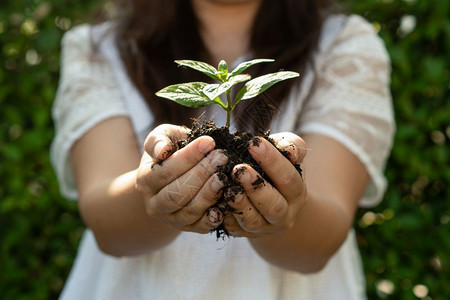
180	186
263	207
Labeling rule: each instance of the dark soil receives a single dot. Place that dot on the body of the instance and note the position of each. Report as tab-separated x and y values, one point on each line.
235	146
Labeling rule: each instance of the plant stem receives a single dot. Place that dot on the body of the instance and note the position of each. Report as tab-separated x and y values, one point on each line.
229	109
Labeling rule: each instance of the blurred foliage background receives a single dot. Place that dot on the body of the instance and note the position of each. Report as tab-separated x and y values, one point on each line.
405	241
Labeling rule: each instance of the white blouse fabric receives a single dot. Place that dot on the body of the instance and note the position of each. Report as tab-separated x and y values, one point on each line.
344	95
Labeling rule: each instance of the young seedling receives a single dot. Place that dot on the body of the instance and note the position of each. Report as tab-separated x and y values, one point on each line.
199	94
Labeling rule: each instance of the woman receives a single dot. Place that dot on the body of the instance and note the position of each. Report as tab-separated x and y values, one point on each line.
148	223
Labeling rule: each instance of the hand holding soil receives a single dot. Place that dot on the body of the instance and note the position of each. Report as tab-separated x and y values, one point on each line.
179	189
270	208
181	186
265	207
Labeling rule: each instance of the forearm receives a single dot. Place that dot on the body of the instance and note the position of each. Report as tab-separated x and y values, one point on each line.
116	213
320	228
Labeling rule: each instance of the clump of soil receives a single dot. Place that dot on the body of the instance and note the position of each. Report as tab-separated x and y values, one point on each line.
235	146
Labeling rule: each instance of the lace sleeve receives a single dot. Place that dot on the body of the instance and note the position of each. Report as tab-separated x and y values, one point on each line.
87	94
351	100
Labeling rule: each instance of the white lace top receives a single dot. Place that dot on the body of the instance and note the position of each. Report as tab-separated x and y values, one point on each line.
345	96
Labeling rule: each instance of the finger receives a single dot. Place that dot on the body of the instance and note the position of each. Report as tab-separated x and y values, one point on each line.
183	189
162	141
203	200
284	176
246	215
267	200
209	221
233	228
293	145
145	168
178	163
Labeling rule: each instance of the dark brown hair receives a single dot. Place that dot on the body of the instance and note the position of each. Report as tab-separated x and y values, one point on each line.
153	33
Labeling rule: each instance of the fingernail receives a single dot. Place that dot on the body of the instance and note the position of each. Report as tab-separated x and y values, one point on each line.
214	215
245	178
216	184
257	146
238	198
219	159
243	175
289	148
205	145
159	148
283	143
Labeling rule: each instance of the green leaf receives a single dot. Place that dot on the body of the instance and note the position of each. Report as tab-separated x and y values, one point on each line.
215	90
258	85
188	94
222	70
246	64
203	67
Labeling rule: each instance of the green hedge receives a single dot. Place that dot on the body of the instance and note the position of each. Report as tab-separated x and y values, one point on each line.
405	241
39	230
